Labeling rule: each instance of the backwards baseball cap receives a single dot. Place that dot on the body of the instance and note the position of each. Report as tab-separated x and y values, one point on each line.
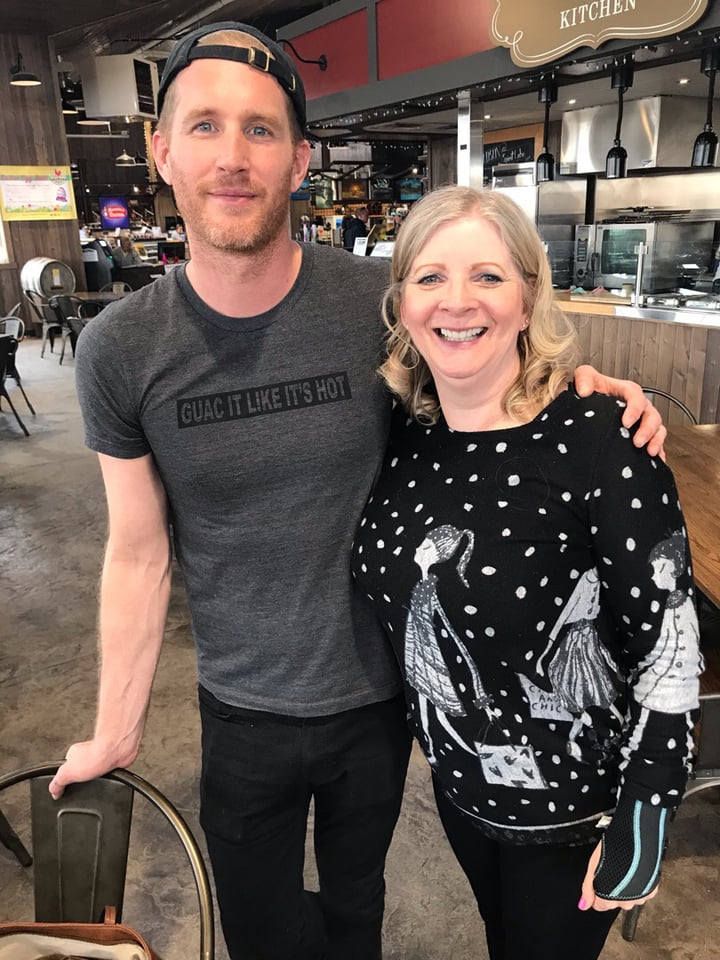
279	65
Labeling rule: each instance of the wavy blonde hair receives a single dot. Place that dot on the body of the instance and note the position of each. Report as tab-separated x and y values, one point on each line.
547	348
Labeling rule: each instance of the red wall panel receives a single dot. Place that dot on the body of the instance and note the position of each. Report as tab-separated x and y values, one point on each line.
416	34
344	43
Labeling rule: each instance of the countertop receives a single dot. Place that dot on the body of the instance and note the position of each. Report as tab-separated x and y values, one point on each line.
608	305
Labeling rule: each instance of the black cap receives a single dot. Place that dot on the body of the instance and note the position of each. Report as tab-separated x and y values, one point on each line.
282	68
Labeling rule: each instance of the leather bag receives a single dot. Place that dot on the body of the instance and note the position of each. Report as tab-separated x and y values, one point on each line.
73	941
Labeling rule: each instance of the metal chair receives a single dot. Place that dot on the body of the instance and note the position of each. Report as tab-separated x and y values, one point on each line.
36	304
117	286
15	312
652	392
80	846
14	327
8	346
68	308
705	773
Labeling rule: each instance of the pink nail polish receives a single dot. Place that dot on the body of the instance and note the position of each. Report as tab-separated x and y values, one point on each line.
582	904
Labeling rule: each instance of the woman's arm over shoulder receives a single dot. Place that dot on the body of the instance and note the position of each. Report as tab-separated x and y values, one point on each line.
651	431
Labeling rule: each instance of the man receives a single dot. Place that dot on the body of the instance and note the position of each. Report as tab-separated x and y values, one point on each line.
247	412
125	254
356	227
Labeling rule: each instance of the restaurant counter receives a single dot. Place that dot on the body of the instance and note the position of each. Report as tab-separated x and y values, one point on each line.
676	349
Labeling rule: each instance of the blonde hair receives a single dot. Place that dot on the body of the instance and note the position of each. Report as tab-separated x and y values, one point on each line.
226	38
547	348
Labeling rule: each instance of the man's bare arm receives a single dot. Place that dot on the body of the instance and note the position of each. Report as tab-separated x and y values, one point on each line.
134	595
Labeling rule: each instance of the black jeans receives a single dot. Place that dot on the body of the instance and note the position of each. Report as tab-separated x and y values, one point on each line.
527	895
259	773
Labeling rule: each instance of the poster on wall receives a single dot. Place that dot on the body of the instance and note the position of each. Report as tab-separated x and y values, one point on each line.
36	193
4	252
114	213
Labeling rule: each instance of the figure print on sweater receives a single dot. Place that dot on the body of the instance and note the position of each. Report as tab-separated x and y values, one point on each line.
581	670
427	671
667	676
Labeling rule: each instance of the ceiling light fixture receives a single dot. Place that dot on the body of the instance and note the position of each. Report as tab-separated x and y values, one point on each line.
321	61
67	92
84	120
545	163
20	77
124	160
622	80
705	147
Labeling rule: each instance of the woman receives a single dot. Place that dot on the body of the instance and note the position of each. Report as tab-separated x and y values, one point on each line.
513	547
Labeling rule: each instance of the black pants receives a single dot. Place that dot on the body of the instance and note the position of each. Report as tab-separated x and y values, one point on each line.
527	895
259	773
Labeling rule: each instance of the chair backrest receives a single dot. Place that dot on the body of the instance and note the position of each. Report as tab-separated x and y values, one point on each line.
77	324
8	346
14	326
707	757
80	846
653	392
117	286
36	304
65	305
15	312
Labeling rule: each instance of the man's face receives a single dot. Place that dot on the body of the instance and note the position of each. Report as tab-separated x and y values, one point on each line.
229	156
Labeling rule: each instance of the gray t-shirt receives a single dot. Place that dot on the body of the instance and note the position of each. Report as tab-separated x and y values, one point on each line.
267	433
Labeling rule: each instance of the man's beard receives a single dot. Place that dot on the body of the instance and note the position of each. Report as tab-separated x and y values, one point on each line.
239	234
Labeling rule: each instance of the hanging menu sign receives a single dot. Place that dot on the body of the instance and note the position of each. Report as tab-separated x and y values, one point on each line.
509	151
563	26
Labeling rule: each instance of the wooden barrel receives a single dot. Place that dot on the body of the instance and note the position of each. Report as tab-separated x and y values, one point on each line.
47	277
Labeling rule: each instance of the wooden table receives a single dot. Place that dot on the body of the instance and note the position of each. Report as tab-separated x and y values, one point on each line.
693	454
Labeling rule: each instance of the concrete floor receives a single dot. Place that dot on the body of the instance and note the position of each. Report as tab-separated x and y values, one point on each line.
52	520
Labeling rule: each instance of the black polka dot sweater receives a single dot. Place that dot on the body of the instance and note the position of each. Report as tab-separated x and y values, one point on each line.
536	586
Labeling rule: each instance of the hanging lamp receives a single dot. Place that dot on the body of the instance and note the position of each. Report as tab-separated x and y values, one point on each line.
545	163
616	160
705	147
20	77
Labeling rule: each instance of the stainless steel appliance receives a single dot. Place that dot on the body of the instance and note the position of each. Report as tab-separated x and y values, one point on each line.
678	251
517	181
560	209
583	258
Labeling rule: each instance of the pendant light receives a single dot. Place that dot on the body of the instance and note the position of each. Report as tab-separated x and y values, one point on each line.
616	160
20	77
706	143
124	160
67	92
85	121
545	163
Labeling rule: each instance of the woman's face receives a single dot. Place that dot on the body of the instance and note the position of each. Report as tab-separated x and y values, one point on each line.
462	304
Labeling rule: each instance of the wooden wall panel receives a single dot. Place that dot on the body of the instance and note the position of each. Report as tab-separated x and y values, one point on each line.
678	358
32	132
711	380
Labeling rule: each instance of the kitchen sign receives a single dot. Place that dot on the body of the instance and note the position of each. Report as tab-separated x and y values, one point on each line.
536	38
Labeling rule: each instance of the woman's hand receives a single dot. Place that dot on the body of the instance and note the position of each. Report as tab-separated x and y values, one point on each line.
589	900
651	430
